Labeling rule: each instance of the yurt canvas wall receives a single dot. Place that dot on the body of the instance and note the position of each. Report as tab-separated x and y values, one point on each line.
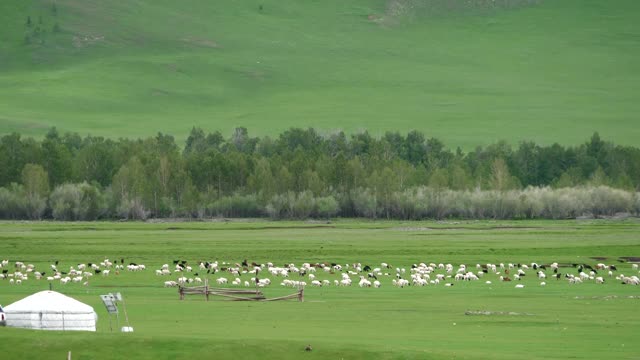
50	310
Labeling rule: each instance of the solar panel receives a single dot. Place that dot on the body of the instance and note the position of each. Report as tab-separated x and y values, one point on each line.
110	303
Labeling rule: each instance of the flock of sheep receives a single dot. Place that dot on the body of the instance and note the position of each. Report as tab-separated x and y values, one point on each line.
19	272
323	274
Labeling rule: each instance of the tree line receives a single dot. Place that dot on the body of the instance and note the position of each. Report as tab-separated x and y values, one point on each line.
302	173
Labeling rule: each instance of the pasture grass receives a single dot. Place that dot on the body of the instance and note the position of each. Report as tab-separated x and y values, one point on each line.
582	321
555	72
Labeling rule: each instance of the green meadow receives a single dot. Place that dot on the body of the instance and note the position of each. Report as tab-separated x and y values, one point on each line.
553	72
556	321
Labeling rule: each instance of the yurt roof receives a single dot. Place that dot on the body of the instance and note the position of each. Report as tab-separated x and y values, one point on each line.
48	301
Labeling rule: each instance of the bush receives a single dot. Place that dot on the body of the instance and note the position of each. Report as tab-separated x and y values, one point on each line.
12	202
132	209
77	202
236	206
364	203
327	206
304	205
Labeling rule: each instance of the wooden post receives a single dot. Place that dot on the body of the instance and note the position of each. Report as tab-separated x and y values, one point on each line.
301	295
69	355
206	288
181	291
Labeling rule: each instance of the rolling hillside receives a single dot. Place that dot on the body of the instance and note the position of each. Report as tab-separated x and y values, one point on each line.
548	70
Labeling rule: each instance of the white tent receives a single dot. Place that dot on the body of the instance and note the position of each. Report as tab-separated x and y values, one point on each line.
50	310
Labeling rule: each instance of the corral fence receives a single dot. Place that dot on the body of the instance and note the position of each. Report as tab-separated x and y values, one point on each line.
235	294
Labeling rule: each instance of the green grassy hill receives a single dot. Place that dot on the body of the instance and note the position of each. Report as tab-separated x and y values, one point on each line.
553	72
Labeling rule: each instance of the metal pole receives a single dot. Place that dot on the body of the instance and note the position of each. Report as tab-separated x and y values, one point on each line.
124	307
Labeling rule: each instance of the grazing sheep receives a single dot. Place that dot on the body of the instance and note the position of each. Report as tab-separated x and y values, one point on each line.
345	282
519	286
575	280
633	280
221	280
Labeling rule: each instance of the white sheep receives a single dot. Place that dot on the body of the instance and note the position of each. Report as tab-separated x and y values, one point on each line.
222	280
364	282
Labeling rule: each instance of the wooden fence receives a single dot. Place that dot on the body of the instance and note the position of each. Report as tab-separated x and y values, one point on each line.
235	294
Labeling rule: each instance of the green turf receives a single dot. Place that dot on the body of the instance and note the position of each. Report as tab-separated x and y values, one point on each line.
584	321
556	72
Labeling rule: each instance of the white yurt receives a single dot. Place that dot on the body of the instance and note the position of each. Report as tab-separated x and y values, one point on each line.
50	310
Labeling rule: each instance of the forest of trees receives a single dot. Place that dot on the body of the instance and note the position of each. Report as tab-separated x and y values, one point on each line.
302	174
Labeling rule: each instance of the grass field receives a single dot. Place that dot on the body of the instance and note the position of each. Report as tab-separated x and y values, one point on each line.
582	321
555	72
